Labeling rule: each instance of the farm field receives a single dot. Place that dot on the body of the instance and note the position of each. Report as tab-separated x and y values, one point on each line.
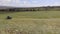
37	22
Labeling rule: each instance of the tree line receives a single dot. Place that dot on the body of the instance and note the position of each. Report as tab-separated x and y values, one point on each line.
47	8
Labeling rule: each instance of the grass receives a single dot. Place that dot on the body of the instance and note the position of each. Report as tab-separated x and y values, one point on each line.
39	22
37	14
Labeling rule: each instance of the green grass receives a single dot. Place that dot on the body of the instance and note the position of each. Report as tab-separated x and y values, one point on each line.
39	22
37	14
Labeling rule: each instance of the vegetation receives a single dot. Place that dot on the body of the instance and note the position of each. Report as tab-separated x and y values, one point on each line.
44	8
39	22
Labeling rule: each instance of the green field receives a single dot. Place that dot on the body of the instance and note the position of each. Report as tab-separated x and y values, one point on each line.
38	22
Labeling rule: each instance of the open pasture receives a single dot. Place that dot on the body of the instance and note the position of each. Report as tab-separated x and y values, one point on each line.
39	22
